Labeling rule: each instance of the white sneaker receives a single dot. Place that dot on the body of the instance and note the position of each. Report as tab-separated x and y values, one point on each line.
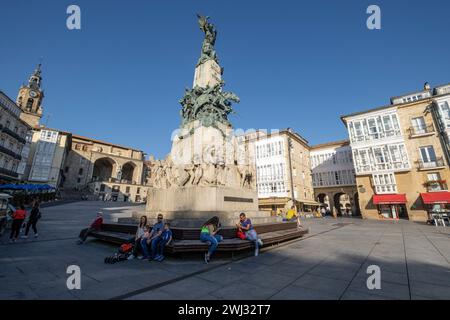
24	237
12	241
131	257
36	235
140	257
260	242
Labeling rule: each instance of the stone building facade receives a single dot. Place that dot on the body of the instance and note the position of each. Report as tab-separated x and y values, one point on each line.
333	177
75	165
283	170
110	171
400	164
14	140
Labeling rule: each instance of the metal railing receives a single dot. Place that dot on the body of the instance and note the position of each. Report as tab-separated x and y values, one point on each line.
419	130
15	135
436	186
11	153
9	172
438	162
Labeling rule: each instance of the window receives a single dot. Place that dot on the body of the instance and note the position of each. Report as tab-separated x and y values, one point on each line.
418	125
80	172
434	182
337	177
66	169
138	191
127	189
384	183
78	180
386	157
374	128
428	155
445	112
358	129
374	131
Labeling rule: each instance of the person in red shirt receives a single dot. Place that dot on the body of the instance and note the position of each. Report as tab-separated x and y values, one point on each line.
96	225
18	217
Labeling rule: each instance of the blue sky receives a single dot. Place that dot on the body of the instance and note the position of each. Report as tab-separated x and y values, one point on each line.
293	63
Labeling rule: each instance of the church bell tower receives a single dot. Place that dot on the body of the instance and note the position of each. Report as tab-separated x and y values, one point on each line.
30	98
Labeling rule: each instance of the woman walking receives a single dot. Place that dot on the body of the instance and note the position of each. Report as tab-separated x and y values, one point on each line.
18	217
35	215
208	234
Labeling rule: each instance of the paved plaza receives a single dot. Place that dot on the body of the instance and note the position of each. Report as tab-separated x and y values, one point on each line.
330	263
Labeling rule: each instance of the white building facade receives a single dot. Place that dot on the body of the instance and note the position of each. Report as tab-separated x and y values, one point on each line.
271	167
332	166
333	177
442	115
378	147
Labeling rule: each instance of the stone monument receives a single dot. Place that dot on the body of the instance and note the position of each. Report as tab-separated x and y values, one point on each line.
208	172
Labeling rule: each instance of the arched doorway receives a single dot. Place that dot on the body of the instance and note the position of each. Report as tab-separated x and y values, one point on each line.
324	201
342	204
128	172
103	169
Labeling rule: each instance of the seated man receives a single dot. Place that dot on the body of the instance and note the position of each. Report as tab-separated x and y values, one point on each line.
245	225
152	239
95	226
166	238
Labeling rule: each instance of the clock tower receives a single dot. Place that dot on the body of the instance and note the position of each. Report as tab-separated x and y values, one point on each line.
30	98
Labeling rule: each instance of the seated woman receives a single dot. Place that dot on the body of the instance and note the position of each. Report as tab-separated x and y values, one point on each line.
137	248
245	225
209	234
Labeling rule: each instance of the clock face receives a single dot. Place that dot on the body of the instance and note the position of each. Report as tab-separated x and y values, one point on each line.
33	94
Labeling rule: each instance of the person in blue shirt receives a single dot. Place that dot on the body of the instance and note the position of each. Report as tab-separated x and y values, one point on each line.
152	239
245	225
165	239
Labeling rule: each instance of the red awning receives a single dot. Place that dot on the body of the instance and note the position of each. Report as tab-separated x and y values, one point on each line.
435	197
389	198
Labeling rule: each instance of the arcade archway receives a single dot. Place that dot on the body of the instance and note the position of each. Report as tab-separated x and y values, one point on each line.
104	169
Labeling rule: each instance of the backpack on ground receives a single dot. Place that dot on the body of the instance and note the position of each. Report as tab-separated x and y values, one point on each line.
123	253
126	248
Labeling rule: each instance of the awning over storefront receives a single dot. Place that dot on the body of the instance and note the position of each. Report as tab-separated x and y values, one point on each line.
389	198
435	197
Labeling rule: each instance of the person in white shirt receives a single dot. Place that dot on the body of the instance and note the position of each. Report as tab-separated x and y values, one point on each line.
138	237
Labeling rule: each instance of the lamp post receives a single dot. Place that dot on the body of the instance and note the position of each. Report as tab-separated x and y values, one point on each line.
290	171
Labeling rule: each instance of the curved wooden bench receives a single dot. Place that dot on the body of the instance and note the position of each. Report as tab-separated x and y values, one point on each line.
235	244
187	239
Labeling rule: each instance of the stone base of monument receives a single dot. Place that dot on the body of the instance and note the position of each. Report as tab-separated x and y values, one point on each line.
192	206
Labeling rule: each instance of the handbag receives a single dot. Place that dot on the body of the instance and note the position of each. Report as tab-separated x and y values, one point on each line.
241	235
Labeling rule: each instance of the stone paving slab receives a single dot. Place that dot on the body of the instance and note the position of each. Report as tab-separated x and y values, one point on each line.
329	263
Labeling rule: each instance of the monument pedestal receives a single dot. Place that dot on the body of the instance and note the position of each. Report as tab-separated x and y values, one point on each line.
192	206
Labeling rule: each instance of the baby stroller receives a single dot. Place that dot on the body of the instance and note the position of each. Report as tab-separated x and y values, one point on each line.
123	253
